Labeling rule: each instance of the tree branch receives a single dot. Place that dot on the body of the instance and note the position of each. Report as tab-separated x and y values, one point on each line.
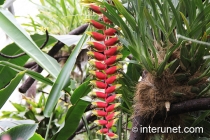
54	50
175	109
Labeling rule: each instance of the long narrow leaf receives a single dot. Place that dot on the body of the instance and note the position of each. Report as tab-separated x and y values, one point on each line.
24	41
63	78
7	91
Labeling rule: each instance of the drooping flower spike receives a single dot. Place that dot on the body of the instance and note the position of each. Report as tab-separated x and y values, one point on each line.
105	56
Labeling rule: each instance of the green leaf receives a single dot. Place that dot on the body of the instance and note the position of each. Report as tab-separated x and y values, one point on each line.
124	12
200	118
19	107
74	113
63	78
2	2
23	132
31	73
63	7
36	137
7	73
80	92
7	91
10	26
7	124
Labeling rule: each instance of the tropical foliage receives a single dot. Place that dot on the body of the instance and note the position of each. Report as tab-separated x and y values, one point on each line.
159	69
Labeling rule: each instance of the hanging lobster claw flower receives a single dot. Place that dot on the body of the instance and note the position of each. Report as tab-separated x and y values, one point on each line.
98	94
98	65
99	113
102	131
112	88
98	46
97	36
105	19
99	75
112	135
113	50
112	79
101	122
112	115
110	31
111	123
96	55
112	41
98	84
99	104
112	98
111	108
113	69
96	9
96	24
113	59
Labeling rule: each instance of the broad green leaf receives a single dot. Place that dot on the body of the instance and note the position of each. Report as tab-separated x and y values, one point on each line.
36	137
31	73
7	73
24	132
74	113
63	78
24	41
7	124
7	91
80	92
2	2
72	120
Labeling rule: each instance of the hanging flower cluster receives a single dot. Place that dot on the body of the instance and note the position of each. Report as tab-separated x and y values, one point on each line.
105	54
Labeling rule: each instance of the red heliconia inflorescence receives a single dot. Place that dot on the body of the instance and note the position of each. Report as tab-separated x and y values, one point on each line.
105	54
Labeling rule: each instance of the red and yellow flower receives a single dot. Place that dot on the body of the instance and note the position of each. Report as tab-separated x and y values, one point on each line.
105	53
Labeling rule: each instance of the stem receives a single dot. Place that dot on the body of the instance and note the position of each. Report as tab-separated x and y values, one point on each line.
48	126
86	127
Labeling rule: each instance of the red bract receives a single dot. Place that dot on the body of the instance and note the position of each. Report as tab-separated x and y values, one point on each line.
98	84
112	98
111	123
99	104
111	41
112	115
111	108
98	94
110	31
113	69
112	51
112	79
96	24
100	122
98	65
97	36
95	9
99	75
112	88
99	113
97	55
112	59
102	131
112	135
98	46
105	19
